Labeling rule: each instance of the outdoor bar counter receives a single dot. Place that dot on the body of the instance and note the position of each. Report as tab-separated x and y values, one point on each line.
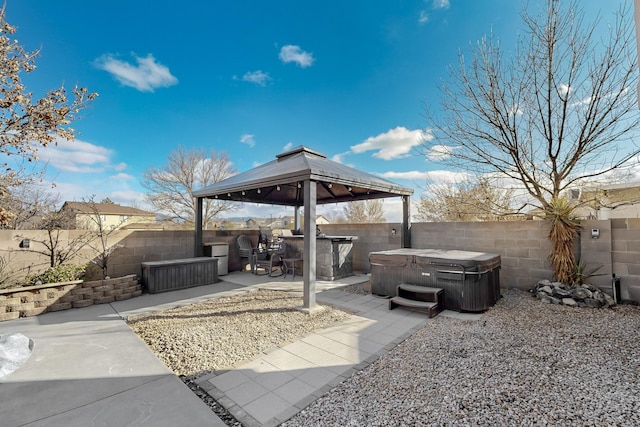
334	255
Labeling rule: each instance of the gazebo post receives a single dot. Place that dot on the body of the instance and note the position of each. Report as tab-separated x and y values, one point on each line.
309	267
197	249
406	224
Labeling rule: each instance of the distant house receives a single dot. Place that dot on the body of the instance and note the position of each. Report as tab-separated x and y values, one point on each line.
86	215
321	219
607	201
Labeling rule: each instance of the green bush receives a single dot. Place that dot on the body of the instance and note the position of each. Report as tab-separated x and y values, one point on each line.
60	273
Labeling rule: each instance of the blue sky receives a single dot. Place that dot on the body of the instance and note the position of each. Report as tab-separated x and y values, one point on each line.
350	79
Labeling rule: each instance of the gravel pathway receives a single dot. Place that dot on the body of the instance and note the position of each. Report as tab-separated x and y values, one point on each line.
525	363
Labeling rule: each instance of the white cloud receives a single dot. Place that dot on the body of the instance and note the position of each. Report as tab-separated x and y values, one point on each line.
339	158
441	4
393	144
257	77
288	146
146	76
248	139
439	152
122	177
120	166
423	18
129	197
76	156
292	53
439	176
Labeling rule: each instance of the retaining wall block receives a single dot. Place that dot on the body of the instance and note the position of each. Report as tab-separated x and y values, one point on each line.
82	303
11	315
123	297
114	292
60	306
104	299
33	311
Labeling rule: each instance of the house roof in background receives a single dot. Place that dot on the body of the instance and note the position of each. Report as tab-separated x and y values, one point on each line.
105	208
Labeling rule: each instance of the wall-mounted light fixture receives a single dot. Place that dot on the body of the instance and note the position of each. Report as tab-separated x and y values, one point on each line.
393	231
349	189
259	191
277	188
25	243
299	186
243	193
595	233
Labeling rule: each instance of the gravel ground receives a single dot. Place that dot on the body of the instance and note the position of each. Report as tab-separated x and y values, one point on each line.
197	339
525	363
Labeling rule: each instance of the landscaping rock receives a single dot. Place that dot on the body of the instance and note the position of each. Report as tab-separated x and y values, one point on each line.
584	295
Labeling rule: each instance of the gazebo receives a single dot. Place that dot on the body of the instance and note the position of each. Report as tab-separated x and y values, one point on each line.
305	178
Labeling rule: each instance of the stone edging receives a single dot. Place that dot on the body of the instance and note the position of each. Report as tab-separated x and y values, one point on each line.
34	300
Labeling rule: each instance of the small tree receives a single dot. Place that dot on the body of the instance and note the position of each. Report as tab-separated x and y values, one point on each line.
99	235
367	211
464	201
57	249
26	124
171	186
558	113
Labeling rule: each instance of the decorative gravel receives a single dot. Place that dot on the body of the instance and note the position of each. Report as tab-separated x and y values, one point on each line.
196	339
525	363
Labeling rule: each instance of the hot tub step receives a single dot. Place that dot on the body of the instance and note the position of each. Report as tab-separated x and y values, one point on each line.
419	297
432	308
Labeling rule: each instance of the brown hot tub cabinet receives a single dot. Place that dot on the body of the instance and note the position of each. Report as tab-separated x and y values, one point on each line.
470	280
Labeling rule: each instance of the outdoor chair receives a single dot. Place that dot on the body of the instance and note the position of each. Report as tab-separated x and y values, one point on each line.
270	258
245	249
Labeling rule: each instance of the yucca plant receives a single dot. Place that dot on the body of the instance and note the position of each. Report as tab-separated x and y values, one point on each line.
564	229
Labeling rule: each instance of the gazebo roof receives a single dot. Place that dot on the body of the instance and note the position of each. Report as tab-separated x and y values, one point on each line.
280	182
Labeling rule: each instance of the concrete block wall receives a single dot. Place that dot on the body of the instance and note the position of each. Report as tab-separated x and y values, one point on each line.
522	245
625	256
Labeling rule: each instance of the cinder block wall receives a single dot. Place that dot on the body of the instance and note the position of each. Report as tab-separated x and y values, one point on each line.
522	245
133	248
625	255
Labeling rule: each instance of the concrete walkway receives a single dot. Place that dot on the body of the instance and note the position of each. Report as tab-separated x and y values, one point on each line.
89	369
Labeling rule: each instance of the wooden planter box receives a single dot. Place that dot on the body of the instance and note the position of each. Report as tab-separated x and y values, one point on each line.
164	276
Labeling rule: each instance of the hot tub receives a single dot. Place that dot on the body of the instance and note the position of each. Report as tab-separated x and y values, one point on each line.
471	280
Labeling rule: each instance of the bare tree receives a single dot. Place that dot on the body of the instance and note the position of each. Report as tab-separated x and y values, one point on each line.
54	246
367	211
26	124
559	112
464	201
171	186
100	235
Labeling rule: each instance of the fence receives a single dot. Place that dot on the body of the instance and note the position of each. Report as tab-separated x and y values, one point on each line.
522	245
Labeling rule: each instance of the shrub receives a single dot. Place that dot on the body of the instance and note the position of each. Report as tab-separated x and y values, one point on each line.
60	273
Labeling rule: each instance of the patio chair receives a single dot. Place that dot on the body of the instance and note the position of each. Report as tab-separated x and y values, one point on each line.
270	259
245	249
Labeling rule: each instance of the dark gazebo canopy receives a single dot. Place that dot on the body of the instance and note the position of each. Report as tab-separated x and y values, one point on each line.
303	177
279	182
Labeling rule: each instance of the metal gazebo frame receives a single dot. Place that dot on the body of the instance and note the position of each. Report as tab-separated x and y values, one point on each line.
305	178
